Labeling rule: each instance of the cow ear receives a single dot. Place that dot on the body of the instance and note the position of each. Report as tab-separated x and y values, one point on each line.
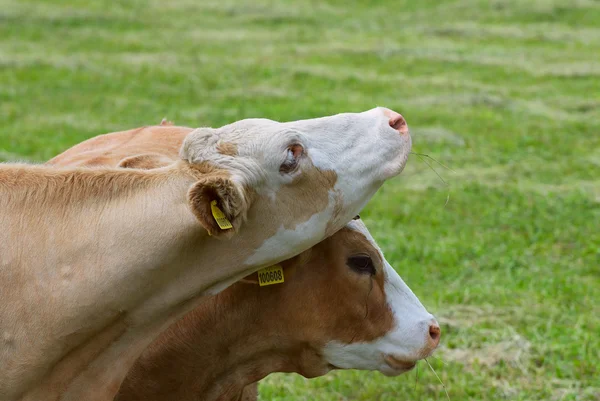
145	161
218	204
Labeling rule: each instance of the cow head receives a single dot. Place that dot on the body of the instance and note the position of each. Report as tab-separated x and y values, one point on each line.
310	176
343	306
400	330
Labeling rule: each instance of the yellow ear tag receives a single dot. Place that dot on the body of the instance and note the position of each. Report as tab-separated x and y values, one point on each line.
270	275
219	216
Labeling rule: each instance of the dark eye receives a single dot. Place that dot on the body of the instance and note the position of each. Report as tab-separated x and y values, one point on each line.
362	264
294	153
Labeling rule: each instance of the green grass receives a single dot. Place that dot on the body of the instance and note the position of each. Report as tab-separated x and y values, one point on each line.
506	92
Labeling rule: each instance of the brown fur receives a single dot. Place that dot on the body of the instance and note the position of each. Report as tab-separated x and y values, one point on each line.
110	149
75	361
216	186
241	335
145	161
46	185
320	199
227	148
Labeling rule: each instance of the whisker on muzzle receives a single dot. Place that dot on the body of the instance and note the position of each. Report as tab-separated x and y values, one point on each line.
431	167
435	160
421	156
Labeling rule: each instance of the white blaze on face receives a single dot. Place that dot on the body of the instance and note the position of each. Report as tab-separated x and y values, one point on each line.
361	148
408	341
302	236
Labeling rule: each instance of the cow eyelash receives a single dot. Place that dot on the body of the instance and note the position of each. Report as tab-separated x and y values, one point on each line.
290	164
362	264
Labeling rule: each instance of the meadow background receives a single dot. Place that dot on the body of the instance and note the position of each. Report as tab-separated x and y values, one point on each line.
505	92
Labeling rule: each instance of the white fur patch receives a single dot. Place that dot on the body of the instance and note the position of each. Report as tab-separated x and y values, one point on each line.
303	236
405	341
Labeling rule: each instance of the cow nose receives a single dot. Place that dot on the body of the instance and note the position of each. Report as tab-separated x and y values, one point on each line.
434	334
396	121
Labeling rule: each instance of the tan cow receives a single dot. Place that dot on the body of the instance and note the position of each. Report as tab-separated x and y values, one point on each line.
94	263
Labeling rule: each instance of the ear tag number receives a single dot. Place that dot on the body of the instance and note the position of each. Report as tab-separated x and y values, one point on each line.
219	216
270	275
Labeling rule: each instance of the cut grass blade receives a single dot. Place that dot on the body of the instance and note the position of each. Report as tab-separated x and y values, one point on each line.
436	375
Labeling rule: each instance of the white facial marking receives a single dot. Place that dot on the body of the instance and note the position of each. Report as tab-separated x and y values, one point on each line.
303	235
406	341
370	152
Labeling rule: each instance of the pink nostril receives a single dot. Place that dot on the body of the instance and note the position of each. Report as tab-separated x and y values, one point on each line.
435	333
396	121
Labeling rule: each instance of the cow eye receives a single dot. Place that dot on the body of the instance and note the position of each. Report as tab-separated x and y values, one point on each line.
292	159
362	264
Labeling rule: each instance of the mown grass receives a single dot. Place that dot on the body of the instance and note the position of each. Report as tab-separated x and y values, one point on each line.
506	92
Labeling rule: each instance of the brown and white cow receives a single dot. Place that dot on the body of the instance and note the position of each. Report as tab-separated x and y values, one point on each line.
341	306
94	263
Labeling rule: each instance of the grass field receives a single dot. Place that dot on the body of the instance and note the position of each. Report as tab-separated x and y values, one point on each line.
505	92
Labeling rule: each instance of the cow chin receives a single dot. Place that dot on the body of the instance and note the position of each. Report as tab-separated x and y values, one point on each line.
310	364
369	356
388	371
364	356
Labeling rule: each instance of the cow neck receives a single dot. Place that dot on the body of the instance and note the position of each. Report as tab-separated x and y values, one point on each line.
216	350
67	344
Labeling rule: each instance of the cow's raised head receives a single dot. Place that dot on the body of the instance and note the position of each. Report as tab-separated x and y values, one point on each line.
343	306
309	176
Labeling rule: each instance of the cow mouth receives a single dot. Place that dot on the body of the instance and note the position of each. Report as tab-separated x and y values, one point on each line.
398	365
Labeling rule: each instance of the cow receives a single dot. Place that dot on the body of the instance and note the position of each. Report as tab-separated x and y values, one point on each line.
341	306
96	262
